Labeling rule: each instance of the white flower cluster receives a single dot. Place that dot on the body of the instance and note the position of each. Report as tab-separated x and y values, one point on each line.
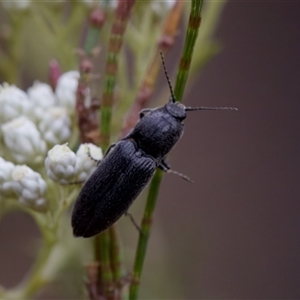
64	166
30	124
23	182
33	121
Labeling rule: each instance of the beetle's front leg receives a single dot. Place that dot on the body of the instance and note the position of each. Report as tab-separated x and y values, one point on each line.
99	160
163	165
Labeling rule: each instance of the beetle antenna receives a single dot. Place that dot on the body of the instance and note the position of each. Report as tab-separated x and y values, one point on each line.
209	108
173	99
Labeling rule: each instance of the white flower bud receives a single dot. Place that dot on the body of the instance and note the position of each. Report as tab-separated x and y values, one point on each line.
6	169
60	164
24	141
30	187
42	97
66	90
13	102
55	125
85	165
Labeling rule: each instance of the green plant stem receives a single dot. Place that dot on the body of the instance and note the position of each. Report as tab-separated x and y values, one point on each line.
105	267
115	253
35	279
91	39
188	49
206	47
103	241
144	235
116	39
48	225
191	36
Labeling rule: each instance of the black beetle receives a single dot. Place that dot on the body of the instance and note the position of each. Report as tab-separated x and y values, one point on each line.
128	166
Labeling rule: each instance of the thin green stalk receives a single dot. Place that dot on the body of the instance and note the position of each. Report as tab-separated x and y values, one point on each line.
188	49
115	253
191	36
105	267
103	240
116	39
91	39
35	279
144	235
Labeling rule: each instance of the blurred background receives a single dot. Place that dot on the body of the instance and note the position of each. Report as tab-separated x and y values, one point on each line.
235	232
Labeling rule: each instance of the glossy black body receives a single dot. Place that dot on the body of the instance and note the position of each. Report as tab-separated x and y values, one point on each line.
126	169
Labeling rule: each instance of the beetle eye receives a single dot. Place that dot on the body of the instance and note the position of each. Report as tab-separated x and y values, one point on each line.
143	112
181	119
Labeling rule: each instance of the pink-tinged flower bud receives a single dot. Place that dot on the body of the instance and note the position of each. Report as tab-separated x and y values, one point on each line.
24	141
97	17
54	72
60	164
30	187
66	90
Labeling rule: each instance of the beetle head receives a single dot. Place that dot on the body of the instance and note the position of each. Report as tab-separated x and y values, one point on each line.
176	110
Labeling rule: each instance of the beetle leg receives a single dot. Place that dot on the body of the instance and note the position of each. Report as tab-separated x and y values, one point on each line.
128	214
99	160
167	168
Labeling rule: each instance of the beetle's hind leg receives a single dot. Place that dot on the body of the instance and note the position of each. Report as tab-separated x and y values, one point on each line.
128	214
167	168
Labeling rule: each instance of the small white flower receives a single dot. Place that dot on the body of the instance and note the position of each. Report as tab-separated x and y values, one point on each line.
42	97
86	164
55	125
30	187
6	169
66	90
13	103
61	164
24	141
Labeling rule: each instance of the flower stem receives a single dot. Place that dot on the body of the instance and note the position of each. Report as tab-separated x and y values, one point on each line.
191	35
144	235
36	279
103	241
116	39
165	43
188	49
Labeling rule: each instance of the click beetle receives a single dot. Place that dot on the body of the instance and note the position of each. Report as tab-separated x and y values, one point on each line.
129	165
